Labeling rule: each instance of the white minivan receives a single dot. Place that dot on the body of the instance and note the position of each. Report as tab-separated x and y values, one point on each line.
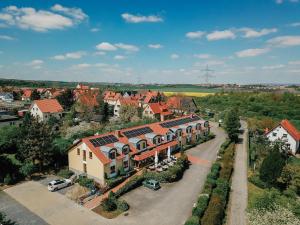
59	184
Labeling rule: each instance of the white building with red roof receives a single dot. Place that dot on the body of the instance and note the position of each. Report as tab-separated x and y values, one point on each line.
102	156
44	109
158	110
287	133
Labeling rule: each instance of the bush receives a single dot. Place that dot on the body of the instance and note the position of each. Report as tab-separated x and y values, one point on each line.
222	190
4	221
133	183
7	179
193	220
214	213
227	163
109	204
65	173
122	205
86	182
27	169
257	181
113	182
201	206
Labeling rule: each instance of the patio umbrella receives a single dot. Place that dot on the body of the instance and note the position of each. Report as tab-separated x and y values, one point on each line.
169	153
156	159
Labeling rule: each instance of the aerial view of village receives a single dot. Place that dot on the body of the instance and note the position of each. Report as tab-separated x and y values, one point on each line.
150	112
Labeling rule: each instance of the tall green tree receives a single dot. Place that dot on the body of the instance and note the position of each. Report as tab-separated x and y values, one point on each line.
232	124
9	137
36	144
35	95
127	112
66	99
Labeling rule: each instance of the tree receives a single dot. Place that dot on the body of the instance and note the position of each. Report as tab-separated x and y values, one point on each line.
232	124
290	177
36	145
35	95
127	112
4	221
66	99
9	136
271	167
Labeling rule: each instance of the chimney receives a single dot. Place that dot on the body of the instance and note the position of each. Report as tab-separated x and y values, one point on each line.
118	133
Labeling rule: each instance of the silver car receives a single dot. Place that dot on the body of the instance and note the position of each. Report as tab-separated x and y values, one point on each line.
59	184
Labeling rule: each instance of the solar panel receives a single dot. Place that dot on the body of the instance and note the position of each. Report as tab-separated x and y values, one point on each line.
178	122
137	132
103	140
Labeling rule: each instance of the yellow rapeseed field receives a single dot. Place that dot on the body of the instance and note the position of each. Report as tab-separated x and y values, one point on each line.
192	94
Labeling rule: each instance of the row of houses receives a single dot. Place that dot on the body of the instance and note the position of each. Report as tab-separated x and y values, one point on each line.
103	156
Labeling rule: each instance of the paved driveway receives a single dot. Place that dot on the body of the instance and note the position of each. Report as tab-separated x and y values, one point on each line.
169	206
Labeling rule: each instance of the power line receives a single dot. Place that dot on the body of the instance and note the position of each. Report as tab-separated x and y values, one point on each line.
208	74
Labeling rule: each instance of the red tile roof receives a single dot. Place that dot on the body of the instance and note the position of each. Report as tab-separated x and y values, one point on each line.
290	129
49	105
159	108
88	99
128	101
27	93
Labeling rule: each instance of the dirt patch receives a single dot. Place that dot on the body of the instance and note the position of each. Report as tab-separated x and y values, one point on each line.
109	215
76	192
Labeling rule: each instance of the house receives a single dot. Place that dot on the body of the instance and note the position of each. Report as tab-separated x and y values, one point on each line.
111	97
6	97
182	104
124	101
44	109
152	97
157	111
286	132
88	99
8	120
53	93
26	95
103	156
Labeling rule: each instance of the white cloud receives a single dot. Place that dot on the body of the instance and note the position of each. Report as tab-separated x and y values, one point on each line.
251	33
94	30
282	1
76	13
130	18
100	53
252	52
36	63
210	63
195	34
219	35
131	48
70	55
294	62
296	24
155	46
106	46
81	66
7	38
119	57
284	41
174	56
202	56
41	20
273	67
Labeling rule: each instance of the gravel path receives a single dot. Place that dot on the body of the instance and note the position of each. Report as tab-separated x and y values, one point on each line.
239	191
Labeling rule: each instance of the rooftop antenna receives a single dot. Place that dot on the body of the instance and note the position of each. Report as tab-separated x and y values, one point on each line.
208	74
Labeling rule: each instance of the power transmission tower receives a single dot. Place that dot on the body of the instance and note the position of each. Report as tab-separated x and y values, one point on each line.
208	74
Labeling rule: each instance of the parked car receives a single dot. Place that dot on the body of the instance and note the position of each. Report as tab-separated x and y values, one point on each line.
59	184
152	184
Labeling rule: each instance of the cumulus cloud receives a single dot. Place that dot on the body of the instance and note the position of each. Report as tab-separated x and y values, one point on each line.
294	62
94	30
155	46
251	33
195	34
131	48
282	1
296	24
81	66
284	41
7	38
119	57
70	55
36	63
251	52
219	35
41	20
174	56
130	18
273	67
106	46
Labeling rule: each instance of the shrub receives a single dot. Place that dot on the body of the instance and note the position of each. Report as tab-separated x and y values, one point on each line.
7	179
65	173
201	206
27	169
122	205
257	181
222	189
193	220
4	221
109	204
86	182
113	182
134	182
214	213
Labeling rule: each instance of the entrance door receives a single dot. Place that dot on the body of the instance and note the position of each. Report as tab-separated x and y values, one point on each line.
84	168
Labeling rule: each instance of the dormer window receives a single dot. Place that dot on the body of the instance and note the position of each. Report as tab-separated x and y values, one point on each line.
112	154
178	133
125	150
189	130
198	126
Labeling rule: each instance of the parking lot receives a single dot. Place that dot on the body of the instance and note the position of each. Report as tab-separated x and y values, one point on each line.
31	203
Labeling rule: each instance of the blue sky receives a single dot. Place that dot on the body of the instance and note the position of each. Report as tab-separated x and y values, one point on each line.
151	41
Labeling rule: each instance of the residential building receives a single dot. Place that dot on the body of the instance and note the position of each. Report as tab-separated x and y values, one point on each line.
103	156
26	95
124	101
44	109
6	97
157	111
287	133
182	105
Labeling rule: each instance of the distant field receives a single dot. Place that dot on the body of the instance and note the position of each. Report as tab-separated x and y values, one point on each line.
192	94
185	89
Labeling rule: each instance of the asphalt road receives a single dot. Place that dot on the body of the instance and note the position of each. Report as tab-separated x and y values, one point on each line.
171	205
239	191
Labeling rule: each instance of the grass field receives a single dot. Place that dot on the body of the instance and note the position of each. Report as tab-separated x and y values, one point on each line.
192	94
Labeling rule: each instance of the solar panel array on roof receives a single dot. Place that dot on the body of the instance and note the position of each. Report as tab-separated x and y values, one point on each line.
174	123
103	140
137	132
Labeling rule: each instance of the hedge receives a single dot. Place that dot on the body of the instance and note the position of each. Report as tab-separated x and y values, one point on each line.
214	213
65	173
133	183
201	206
193	220
113	182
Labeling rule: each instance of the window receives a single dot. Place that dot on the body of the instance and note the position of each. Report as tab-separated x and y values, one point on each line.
125	164
90	155
284	135
84	156
125	150
138	146
274	134
84	168
112	169
112	154
144	145
78	151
